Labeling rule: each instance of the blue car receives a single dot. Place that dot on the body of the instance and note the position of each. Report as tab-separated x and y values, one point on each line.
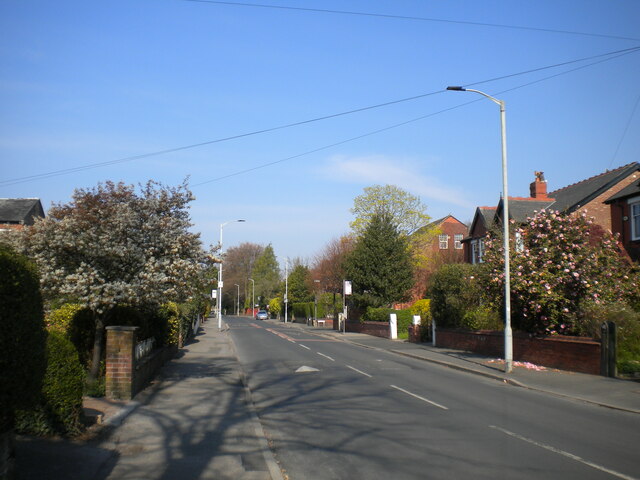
262	315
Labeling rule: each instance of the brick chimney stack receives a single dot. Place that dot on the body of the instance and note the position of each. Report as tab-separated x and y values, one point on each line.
538	187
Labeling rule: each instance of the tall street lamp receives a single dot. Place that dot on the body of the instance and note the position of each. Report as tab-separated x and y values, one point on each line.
237	300
220	275
253	297
508	345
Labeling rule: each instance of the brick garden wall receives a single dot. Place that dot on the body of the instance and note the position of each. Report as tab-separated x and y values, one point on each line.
124	376
377	329
574	354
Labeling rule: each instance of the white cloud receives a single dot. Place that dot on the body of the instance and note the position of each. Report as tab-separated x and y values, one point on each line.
379	169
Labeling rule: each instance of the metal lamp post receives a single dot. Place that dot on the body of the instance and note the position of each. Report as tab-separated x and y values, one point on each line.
508	345
286	288
220	275
253	297
237	300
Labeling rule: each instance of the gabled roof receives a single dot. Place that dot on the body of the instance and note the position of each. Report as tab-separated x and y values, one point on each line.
484	216
20	209
572	197
440	221
628	191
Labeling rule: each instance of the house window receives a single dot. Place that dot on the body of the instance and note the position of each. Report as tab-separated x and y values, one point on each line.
519	243
477	250
443	240
457	238
635	220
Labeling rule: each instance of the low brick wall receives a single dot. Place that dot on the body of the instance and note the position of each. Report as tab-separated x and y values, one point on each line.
575	354
124	376
377	329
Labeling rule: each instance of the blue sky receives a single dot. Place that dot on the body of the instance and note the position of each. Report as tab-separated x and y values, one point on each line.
90	82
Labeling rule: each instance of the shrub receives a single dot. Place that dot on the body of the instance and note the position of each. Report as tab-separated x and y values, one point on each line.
566	262
22	341
302	310
454	290
275	307
483	317
76	322
422	308
627	322
60	407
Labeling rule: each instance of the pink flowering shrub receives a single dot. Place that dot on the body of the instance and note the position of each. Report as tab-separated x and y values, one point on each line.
562	264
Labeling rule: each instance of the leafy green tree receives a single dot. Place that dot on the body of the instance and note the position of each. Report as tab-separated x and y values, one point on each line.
299	280
380	265
404	210
266	274
111	246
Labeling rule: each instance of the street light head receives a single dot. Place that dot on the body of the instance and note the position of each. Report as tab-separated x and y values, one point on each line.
240	220
457	89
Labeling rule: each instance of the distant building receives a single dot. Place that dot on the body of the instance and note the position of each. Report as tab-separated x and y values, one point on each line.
15	213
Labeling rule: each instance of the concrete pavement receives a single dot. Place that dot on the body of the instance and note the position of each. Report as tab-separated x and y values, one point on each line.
606	392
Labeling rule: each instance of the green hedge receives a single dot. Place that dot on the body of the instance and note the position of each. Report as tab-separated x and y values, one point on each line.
454	291
59	409
22	337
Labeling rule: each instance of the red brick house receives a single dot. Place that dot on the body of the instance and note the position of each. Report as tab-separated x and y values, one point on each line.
448	243
15	213
446	247
625	217
597	196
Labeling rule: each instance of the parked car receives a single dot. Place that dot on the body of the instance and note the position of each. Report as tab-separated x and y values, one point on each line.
262	315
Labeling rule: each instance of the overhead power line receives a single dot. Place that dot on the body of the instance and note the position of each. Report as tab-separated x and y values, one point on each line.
414	18
390	127
55	173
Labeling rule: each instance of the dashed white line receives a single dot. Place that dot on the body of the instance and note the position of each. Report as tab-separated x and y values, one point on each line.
359	371
420	398
326	356
565	454
304	346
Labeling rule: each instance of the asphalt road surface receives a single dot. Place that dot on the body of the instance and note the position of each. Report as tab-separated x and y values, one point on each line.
334	410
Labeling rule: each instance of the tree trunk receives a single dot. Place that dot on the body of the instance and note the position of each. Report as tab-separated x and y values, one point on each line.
97	348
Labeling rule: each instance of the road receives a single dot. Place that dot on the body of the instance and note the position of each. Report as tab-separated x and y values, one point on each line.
334	410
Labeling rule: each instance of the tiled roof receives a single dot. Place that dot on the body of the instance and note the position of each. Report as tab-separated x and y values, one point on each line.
574	196
17	209
520	210
628	191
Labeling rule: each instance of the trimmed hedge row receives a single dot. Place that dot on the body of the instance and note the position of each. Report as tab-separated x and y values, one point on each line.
59	408
22	343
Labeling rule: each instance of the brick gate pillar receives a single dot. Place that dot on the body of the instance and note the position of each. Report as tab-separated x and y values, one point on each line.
120	362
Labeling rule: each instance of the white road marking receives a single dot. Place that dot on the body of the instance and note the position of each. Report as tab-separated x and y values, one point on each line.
304	346
563	453
359	371
326	356
420	398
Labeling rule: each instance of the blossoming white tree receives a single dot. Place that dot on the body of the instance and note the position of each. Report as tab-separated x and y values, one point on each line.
113	246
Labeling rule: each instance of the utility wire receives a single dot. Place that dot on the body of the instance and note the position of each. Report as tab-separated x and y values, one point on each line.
55	173
624	133
408	17
374	132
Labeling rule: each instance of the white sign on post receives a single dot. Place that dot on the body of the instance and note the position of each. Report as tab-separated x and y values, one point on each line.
416	320
214	294
347	287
